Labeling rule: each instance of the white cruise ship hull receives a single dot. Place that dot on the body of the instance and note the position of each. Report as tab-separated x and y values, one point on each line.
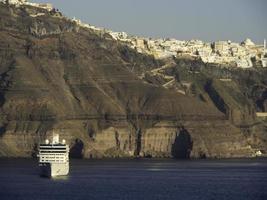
53	169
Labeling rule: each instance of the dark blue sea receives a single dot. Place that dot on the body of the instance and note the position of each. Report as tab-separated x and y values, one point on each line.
138	179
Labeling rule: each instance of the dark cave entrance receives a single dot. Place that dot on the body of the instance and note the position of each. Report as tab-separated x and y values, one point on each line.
138	142
76	151
2	98
183	144
261	102
2	130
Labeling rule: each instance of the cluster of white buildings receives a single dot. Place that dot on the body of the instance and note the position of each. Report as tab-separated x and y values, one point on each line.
85	25
220	52
46	6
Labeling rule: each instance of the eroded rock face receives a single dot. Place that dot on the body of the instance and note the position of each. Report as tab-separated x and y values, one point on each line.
56	76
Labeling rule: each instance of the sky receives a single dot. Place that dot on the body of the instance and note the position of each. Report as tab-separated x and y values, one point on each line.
207	20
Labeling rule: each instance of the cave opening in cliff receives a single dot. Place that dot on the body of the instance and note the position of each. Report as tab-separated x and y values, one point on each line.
138	142
76	151
183	144
2	99
2	130
261	104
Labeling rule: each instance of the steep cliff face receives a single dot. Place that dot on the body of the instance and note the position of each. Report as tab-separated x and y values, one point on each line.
57	76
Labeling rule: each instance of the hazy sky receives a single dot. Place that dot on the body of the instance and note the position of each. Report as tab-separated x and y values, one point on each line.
208	20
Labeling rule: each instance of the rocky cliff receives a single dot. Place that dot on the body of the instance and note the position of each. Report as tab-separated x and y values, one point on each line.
108	100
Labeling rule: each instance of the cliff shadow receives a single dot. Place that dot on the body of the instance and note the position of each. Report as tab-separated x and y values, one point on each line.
76	151
217	100
183	144
3	130
138	142
35	151
2	99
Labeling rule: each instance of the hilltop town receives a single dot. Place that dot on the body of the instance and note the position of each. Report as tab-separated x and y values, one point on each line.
242	55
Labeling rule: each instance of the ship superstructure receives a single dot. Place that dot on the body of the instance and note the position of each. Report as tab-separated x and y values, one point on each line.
54	158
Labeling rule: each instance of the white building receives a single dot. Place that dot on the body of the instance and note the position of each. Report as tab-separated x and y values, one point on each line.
17	3
119	35
222	48
244	63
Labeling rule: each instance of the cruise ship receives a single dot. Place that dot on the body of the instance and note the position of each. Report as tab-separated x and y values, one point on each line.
54	158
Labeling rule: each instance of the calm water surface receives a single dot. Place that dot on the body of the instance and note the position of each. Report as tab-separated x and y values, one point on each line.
137	179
